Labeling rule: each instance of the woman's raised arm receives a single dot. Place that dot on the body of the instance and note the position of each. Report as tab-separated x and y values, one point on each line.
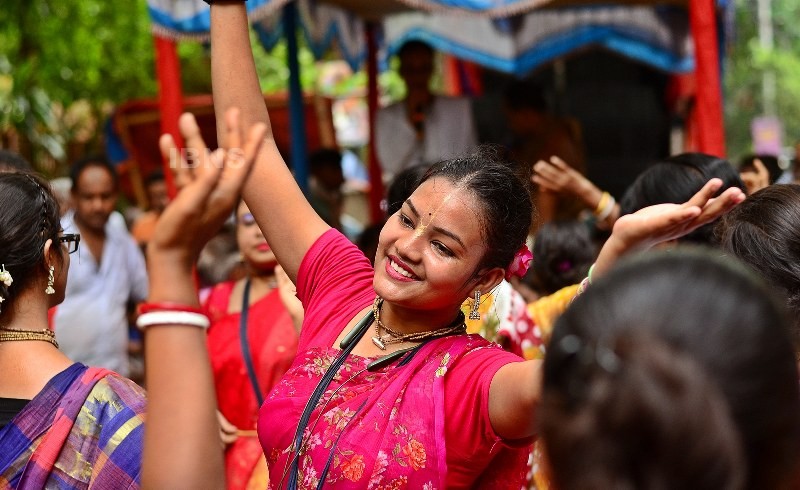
182	446
289	223
516	388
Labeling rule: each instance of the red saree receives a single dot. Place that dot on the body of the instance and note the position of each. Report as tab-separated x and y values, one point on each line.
273	344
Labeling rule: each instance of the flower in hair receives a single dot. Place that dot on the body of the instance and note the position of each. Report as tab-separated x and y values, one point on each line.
5	276
564	266
522	261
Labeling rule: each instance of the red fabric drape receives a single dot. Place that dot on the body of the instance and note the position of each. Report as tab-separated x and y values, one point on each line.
710	129
170	97
375	173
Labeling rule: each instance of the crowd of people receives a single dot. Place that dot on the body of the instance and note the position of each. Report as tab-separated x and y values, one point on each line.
650	342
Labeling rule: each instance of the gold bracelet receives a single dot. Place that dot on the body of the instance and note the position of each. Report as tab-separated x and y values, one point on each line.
602	204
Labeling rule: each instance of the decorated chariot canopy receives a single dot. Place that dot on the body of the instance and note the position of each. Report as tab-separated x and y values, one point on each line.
510	36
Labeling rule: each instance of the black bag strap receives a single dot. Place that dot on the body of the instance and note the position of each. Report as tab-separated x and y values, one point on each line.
248	358
347	345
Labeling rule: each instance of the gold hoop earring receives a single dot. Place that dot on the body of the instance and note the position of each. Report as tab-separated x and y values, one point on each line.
50	282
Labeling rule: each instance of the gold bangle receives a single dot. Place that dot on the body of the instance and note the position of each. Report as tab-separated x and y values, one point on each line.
602	204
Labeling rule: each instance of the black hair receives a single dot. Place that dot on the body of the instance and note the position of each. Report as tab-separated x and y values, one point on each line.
325	158
505	201
747	163
525	94
29	216
764	232
154	177
402	186
675	180
414	45
563	251
674	371
13	162
77	169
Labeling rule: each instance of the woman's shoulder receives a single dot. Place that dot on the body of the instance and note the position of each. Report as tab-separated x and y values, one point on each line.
331	266
479	354
111	425
120	393
221	290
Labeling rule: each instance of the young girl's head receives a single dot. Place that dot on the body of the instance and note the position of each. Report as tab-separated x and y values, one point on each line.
764	232
674	371
675	180
563	251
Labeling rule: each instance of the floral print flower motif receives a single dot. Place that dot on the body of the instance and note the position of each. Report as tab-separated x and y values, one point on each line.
414	451
381	463
338	417
309	474
443	366
396	484
353	469
273	456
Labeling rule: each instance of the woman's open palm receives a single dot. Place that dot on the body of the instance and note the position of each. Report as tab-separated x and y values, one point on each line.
663	222
211	184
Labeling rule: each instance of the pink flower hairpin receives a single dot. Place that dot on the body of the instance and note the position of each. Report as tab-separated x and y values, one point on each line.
522	261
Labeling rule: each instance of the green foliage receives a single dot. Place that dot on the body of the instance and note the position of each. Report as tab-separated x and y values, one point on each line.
747	61
63	62
64	65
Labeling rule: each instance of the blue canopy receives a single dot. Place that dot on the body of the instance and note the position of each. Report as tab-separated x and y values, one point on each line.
657	36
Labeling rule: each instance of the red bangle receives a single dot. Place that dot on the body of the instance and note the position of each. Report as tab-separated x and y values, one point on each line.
168	306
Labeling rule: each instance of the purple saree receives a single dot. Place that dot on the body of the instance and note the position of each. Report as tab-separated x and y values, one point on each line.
83	430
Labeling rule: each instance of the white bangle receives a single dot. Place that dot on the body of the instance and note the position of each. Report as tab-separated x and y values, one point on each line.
172	318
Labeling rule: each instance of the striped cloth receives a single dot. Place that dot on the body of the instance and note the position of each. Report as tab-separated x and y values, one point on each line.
85	429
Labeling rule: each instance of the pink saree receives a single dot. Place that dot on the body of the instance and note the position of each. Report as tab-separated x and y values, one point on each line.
375	430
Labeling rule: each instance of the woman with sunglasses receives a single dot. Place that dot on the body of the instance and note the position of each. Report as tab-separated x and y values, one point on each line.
62	424
252	342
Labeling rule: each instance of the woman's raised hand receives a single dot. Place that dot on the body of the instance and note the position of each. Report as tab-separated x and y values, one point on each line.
211	184
557	176
182	426
664	222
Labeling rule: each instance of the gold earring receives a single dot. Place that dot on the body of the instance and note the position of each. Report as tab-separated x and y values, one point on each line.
50	282
474	314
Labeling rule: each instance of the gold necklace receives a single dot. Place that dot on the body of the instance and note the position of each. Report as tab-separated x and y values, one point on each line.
395	337
12	334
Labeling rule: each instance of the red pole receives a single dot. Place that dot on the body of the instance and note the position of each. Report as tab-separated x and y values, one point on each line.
375	173
710	129
170	98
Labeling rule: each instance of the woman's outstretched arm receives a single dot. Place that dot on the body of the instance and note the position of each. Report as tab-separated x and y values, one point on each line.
516	388
182	444
289	223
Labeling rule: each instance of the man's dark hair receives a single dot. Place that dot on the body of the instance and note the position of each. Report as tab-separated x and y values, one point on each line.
100	161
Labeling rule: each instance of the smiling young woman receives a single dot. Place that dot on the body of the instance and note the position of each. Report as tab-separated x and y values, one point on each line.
387	390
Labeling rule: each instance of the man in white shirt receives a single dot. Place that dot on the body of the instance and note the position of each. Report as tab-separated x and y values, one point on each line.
423	127
109	271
